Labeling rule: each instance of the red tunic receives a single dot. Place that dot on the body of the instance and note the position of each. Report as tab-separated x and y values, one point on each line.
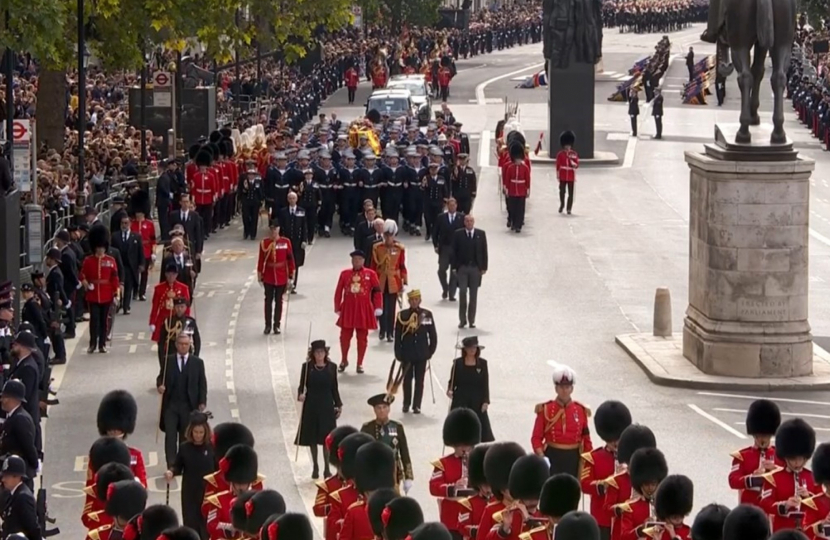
147	231
561	426
343	498
93	515
136	466
444	76
617	491
780	485
101	533
326	507
465	513
816	510
516	179
744	464
633	514
216	510
567	162
215	483
597	465
351	78
189	171
356	298
539	533
203	188
163	296
276	261
517	528
488	519
356	524
445	473
102	273
681	531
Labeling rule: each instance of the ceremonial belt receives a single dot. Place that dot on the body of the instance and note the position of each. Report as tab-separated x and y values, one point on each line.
276	265
282	187
563	167
202	191
518	181
349	185
393	184
324	187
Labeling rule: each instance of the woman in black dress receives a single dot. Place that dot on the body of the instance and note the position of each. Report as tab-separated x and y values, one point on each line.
194	460
470	384
320	397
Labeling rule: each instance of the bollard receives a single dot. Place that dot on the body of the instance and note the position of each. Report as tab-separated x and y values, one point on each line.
662	312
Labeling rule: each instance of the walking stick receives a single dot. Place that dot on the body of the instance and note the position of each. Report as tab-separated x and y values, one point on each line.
305	391
164	373
452	382
167	495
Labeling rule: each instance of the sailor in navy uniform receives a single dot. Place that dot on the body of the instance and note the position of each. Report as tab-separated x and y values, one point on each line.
19	515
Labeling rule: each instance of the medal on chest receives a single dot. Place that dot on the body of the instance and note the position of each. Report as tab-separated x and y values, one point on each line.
171	294
355	288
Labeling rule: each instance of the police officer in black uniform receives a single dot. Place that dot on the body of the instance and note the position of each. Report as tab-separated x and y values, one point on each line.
250	192
17	435
33	314
370	178
309	202
436	192
19	515
178	323
415	344
463	183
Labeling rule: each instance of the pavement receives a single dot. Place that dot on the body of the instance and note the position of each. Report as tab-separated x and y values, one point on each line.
560	290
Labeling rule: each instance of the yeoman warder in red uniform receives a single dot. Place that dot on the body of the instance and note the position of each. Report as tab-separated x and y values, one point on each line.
357	303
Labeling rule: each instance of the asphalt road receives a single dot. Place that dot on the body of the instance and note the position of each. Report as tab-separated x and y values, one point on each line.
561	290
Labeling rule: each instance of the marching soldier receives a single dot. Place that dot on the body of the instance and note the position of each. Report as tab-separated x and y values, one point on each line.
164	295
251	194
139	204
708	523
179	323
435	192
96	494
610	420
618	486
463	184
750	464
465	513
561	430
647	469
389	262
240	470
117	415
293	226
226	436
325	504
398	517
516	186
126	499
391	433
498	462
99	276
415	343
672	503
527	478
567	162
450	474
577	526
348	495
275	271
375	468
104	451
818	507
560	495
34	313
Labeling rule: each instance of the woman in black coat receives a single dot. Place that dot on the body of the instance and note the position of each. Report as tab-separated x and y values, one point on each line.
194	461
470	384
320	397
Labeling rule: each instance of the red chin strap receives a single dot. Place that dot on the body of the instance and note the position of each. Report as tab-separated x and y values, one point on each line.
213	439
329	442
340	454
110	490
249	508
385	515
273	531
224	465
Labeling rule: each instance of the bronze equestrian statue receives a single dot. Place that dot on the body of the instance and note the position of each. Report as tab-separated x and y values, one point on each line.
766	26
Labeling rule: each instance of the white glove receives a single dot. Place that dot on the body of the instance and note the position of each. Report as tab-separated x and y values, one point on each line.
378	312
153	257
68	304
303	245
547	460
91	286
407	485
79	285
39	466
152	328
47	342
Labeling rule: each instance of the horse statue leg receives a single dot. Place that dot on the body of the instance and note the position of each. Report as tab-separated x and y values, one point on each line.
757	77
778	80
740	59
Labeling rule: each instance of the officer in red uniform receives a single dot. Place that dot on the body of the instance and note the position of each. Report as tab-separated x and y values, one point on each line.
164	295
376	508
154	520
99	276
102	452
117	414
325	505
444	77
346	496
610	420
400	516
560	494
125	500
498	461
225	436
203	187
146	229
251	509
672	503
515	178
450	474
358	303
817	507
567	162
467	511
708	523
751	463
527	477
577	526
647	469
561	430
351	79
240	469
289	526
275	270
618	486
374	467
785	488
94	515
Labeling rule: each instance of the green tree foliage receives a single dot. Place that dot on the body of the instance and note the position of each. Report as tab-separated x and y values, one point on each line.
400	12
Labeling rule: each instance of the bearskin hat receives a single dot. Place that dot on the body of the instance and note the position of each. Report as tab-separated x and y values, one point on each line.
375	507
675	497
633	438
746	522
215	136
647	465
214	150
475	466
126	499
289	526
576	525
462	428
567	138
118	409
229	434
498	462
348	449
517	151
400	517
527	476
155	519
610	420
795	438
560	494
515	137
334	439
110	473
240	508
789	534
179	533
374	465
204	157
265	503
431	531
763	418
140	202
99	237
373	116
708	524
821	464
193	150
108	450
226	132
240	464
227	147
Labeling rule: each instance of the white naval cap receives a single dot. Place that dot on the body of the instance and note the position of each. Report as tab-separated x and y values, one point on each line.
390	227
562	374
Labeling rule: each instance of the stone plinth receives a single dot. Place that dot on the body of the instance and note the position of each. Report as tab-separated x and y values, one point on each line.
748	267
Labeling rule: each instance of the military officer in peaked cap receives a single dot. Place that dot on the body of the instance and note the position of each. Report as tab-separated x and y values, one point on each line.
179	323
391	433
416	340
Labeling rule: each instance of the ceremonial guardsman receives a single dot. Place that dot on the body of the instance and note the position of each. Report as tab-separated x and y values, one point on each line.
179	323
416	340
96	494
560	494
400	516
561	430
103	451
389	262
618	486
99	276
275	270
577	526
357	304
527	477
516	185
466	512
346	496
817	507
708	523
164	296
250	190
154	520
376	508
750	464
251	509
391	433
610	420
240	468
139	204
374	469
225	436
325	505
672	503
290	526
117	415
498	462
125	500
647	469
785	488
204	185
19	514
567	162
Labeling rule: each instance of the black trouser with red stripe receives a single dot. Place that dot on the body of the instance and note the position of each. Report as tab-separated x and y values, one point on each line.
98	324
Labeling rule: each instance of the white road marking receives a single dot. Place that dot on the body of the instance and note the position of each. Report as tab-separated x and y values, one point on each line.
630	148
81	463
815	428
716	421
152	459
805	415
753	398
133	349
481	99
820	237
484	149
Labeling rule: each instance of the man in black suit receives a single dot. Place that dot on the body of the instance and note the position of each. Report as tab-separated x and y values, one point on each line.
71	283
375	236
293	225
27	367
164	188
363	227
657	113
130	247
445	226
55	289
191	222
469	264
183	386
184	264
19	515
17	436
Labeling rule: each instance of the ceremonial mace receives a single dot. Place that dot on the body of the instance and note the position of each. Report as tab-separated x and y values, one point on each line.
305	391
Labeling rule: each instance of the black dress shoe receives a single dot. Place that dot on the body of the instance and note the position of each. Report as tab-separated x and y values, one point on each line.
452	298
126	311
90	350
416	410
102	350
381	335
142	298
326	473
444	295
69	335
277	330
360	370
315	474
57	361
267	330
472	325
342	367
462	324
389	339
